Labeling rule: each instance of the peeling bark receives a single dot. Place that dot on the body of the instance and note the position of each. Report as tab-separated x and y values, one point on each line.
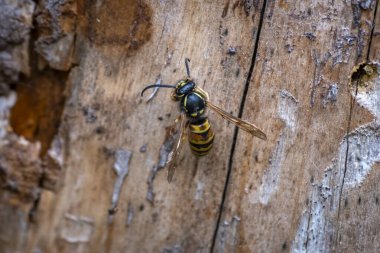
15	25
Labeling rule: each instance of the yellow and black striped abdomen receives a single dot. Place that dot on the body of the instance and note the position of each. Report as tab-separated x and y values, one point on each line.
201	137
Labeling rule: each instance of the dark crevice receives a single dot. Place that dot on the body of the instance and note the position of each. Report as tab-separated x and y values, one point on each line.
32	215
241	109
308	226
372	30
352	104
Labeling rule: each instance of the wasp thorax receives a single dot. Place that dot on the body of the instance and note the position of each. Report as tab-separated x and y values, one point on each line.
182	88
193	104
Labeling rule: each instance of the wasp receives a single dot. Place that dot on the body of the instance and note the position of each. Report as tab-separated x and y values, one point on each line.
193	102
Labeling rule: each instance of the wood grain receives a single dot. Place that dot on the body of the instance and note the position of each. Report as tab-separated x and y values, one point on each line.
286	194
98	185
124	48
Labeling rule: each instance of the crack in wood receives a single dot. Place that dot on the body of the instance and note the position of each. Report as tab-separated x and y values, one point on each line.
347	172
352	103
308	226
372	30
358	80
241	109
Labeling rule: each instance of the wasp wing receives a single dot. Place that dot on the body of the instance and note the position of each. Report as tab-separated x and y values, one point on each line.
244	125
172	157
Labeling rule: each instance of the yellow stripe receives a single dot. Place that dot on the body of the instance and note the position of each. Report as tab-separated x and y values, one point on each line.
200	142
198	129
199	95
201	149
196	113
184	103
181	84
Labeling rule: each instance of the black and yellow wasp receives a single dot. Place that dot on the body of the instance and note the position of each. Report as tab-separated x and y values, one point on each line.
193	102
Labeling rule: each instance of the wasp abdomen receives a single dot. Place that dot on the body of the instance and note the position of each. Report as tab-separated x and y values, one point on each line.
201	136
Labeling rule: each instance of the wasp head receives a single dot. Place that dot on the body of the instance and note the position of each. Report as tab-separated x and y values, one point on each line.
182	88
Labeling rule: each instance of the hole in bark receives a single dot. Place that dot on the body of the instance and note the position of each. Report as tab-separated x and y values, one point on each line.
362	75
284	246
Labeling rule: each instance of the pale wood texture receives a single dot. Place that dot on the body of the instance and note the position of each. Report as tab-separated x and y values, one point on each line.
105	92
283	65
291	193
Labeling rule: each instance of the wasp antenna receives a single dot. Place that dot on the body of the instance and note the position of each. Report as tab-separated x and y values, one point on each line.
157	85
187	60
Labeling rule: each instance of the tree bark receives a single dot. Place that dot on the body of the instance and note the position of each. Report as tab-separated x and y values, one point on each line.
82	154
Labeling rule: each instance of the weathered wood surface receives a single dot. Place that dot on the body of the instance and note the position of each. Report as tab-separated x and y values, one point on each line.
304	190
310	187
